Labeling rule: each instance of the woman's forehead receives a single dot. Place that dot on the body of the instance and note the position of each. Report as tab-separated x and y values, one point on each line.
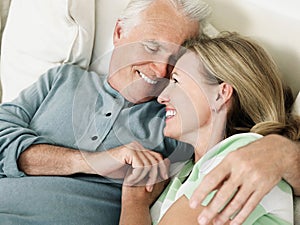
189	63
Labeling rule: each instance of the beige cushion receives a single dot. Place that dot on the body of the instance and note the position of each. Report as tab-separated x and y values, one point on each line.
43	34
297	210
275	24
4	7
105	25
296	109
296	106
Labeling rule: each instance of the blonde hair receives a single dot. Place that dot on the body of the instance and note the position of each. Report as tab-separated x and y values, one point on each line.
261	101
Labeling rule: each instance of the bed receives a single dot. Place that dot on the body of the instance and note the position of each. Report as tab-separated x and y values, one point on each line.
37	35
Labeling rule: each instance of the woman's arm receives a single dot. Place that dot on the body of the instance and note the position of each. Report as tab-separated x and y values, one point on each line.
181	214
136	202
135	213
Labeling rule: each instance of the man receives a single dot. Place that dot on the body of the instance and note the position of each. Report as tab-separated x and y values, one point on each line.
89	199
45	179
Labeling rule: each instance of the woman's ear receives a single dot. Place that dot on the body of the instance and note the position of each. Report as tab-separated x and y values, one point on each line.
223	96
118	31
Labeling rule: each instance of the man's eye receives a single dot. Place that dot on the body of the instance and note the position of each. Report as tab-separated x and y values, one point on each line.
150	49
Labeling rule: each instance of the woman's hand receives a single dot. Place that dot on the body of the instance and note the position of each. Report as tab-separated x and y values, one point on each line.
147	167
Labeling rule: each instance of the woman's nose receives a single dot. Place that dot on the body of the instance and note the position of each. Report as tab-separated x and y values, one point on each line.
163	98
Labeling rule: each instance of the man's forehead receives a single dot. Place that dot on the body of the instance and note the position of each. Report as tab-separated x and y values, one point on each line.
161	9
177	25
162	16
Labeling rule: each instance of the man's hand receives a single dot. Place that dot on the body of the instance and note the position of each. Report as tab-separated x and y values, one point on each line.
248	173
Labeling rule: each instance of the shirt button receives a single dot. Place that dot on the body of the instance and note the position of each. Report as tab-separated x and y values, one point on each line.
108	114
94	138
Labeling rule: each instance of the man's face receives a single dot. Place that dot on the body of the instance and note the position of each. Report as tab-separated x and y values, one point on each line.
140	63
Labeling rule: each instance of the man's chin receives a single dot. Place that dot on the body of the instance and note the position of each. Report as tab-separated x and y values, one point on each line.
138	95
141	100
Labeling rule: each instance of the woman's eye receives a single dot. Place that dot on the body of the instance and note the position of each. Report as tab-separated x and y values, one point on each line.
174	80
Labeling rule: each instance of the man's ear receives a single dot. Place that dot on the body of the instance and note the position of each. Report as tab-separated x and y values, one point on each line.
223	96
117	32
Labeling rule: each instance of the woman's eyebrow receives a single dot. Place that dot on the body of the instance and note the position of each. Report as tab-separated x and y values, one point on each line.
174	73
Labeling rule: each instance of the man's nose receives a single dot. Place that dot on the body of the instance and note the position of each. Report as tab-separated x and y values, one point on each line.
161	69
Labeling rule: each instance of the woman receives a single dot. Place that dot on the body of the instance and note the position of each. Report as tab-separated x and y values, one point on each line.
224	93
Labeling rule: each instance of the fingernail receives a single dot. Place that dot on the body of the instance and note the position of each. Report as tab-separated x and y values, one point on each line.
217	222
193	204
149	188
202	220
234	223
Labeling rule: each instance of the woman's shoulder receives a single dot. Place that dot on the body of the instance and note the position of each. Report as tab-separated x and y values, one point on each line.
216	154
230	144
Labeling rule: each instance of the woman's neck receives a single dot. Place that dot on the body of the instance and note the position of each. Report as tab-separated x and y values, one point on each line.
208	138
205	144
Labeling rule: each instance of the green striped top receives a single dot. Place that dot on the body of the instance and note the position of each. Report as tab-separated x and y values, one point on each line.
275	208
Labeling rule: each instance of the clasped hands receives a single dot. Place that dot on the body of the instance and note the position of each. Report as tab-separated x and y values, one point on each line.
132	162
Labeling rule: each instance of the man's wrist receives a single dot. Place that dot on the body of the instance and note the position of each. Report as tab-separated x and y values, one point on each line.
290	161
80	164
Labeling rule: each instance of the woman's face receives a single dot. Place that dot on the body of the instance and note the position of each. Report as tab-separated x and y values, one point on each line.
187	99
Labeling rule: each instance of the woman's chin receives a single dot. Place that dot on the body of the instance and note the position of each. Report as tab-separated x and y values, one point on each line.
172	135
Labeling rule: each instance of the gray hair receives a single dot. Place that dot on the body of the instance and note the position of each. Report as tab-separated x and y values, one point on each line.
192	9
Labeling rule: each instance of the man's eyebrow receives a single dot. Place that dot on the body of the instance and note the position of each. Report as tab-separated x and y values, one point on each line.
152	42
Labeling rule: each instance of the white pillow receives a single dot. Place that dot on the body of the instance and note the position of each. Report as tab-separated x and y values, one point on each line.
296	105
41	34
